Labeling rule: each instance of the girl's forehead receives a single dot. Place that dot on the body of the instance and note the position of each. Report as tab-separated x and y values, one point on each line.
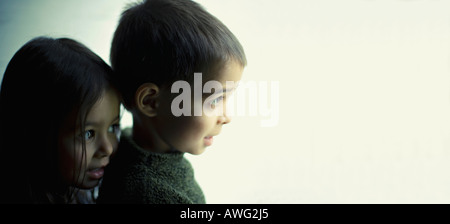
108	104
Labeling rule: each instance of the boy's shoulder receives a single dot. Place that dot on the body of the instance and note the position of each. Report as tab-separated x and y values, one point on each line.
138	183
138	176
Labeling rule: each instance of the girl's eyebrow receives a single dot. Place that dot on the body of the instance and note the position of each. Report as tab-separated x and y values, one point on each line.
94	123
116	119
91	123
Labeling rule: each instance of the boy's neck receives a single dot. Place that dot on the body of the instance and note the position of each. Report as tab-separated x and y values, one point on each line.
146	138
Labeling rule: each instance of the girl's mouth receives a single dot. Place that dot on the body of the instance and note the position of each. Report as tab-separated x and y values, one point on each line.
96	173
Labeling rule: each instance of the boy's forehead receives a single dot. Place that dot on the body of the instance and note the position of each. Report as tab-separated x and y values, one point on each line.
230	72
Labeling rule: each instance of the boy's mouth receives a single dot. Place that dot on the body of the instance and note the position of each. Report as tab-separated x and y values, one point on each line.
208	140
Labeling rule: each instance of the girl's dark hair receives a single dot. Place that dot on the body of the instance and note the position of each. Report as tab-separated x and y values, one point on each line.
161	41
45	82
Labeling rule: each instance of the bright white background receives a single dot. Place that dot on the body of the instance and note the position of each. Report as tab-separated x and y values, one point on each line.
364	95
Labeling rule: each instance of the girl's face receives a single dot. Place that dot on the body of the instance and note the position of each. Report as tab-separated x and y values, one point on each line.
101	137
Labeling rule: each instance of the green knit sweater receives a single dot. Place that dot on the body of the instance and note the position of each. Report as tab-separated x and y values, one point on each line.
139	176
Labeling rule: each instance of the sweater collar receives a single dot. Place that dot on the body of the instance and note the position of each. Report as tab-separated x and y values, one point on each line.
155	158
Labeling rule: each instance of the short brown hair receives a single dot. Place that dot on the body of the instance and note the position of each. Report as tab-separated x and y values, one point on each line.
161	41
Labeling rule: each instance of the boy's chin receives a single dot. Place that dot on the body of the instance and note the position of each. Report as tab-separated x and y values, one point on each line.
197	151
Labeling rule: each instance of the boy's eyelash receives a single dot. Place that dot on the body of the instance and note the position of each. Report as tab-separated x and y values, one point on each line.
216	100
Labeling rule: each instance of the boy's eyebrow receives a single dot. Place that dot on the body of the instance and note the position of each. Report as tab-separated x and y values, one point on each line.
228	90
220	91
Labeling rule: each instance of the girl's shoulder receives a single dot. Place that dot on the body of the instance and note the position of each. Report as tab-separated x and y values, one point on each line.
86	196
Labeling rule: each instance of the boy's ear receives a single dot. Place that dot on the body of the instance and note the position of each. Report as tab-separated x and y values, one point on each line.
146	99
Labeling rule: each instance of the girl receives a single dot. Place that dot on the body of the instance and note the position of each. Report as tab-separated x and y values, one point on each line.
59	123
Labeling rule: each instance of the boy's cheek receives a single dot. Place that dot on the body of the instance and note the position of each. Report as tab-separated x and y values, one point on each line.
188	128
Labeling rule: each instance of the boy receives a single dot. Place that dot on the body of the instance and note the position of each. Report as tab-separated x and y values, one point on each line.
157	43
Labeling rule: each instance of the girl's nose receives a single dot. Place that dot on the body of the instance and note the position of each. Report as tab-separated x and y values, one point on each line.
106	147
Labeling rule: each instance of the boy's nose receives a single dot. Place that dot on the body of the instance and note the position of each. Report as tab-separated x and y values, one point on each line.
225	119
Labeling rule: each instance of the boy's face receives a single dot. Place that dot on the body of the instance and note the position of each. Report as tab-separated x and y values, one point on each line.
100	134
192	134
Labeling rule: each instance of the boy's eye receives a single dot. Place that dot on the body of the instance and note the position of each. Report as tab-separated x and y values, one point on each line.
217	100
89	135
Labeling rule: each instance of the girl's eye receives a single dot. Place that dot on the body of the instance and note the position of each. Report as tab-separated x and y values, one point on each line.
89	135
115	129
